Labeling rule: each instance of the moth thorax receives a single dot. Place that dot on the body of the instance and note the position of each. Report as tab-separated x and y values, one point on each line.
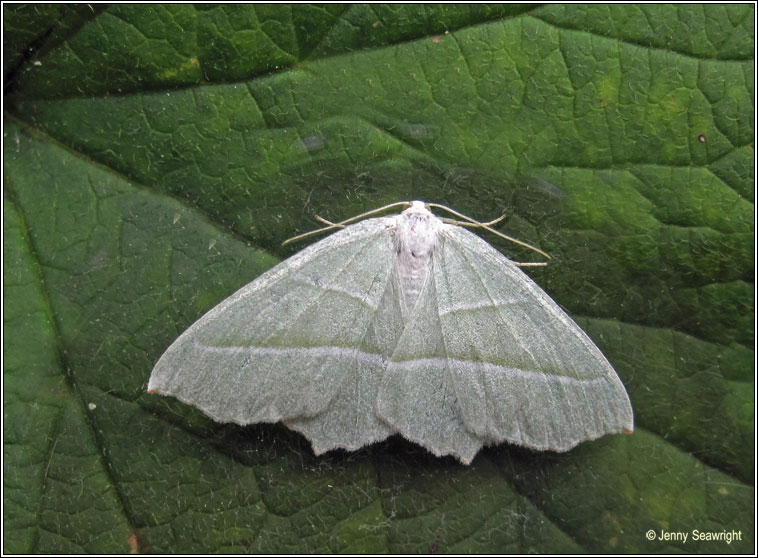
415	241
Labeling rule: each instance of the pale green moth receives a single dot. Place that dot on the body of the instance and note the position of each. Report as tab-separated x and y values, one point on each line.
403	324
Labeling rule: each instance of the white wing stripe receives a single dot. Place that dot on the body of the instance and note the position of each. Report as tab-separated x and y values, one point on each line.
497	368
412	364
482	305
310	352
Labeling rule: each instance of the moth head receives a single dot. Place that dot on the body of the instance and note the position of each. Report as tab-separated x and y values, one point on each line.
417	207
416	231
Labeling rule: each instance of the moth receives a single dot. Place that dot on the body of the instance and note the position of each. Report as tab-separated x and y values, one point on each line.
401	324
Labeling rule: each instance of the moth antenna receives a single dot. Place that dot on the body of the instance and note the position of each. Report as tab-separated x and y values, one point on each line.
326	222
486	227
342	224
469	224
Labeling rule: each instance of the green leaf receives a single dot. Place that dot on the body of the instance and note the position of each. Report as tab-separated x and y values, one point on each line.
156	156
